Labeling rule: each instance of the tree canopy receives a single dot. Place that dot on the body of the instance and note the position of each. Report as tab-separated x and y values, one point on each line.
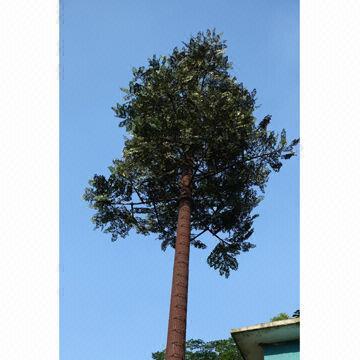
212	350
281	316
188	110
284	316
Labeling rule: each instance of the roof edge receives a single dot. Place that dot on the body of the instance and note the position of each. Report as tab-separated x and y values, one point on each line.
266	325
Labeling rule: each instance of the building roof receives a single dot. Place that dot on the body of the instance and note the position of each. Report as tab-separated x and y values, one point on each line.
250	338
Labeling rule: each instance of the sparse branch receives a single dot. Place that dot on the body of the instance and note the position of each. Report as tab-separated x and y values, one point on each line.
235	163
148	202
136	203
218	237
156	213
196	236
133	216
142	201
137	192
263	155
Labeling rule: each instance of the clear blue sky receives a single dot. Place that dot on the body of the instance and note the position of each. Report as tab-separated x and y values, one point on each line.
114	297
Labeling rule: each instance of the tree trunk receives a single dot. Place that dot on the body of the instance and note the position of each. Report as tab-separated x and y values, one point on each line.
176	338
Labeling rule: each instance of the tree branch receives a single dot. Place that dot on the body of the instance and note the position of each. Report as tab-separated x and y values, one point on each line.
193	238
235	163
218	237
136	203
137	192
157	214
148	202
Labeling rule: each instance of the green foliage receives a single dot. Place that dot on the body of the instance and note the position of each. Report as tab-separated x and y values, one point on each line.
281	316
284	316
212	350
182	110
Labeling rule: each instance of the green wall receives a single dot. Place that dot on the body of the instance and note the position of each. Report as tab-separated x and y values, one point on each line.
289	350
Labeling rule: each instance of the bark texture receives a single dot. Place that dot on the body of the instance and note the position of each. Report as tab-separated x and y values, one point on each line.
175	347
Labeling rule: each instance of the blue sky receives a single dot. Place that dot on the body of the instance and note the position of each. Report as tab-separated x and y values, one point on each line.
114	297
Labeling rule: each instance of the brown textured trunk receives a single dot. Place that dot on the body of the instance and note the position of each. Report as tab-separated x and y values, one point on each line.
176	338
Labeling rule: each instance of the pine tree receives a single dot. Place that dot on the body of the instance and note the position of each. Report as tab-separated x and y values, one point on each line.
196	161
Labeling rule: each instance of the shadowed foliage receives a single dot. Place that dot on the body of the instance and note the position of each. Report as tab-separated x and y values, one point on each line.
284	316
281	316
212	350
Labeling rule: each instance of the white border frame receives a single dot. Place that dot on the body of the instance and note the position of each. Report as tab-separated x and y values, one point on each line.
329	178
29	185
29	181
